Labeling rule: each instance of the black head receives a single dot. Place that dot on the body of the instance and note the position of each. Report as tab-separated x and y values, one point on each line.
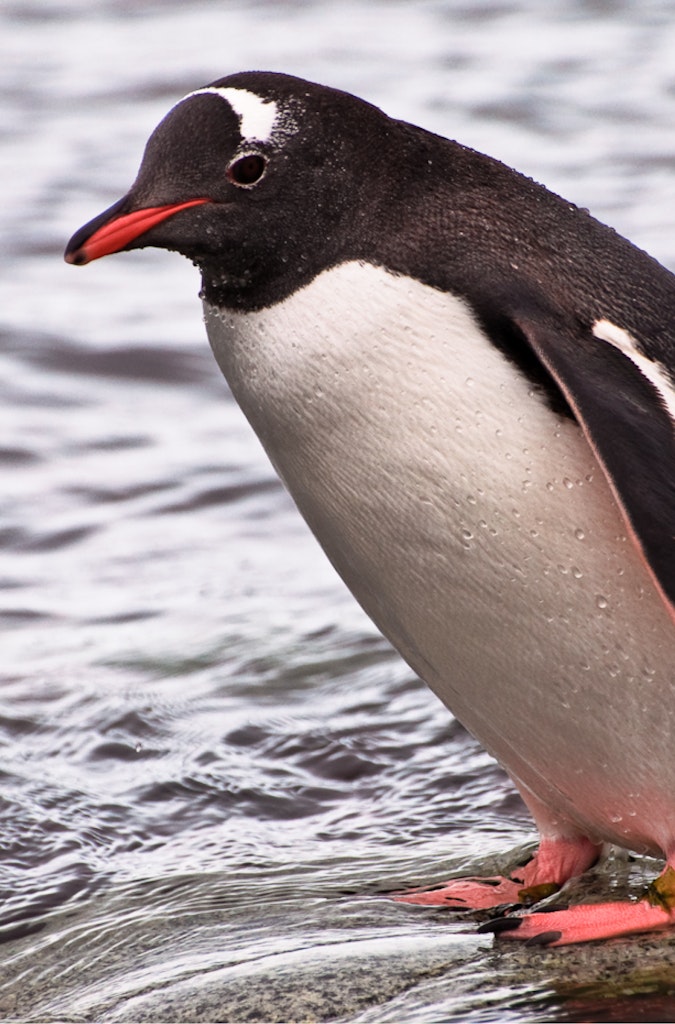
261	179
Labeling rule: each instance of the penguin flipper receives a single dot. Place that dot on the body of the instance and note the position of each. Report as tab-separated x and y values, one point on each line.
625	404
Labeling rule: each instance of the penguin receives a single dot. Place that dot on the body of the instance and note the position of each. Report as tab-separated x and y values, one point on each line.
465	382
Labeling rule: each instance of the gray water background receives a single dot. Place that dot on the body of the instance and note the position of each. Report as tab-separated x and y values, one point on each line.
211	763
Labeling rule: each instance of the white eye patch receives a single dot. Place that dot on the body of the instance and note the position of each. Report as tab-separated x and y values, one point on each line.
257	117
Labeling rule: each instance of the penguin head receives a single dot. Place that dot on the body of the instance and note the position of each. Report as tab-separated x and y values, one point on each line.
260	179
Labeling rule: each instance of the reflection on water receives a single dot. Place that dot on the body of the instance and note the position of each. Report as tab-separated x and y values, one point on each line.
211	763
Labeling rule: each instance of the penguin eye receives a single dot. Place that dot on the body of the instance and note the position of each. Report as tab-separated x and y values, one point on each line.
247	170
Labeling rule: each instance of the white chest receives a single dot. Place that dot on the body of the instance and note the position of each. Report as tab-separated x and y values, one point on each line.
472	524
383	396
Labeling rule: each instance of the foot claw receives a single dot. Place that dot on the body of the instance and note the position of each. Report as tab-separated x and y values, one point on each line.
497	925
544	939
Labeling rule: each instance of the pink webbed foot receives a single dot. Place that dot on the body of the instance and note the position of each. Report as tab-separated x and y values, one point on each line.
466	894
554	863
586	922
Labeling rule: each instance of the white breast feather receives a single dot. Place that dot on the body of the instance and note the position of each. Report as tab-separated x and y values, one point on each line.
475	528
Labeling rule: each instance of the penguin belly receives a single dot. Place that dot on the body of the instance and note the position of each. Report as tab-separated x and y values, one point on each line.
476	528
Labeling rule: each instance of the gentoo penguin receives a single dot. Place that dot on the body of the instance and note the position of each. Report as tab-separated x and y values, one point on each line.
465	384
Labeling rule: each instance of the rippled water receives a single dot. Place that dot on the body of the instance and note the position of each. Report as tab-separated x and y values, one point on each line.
211	763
